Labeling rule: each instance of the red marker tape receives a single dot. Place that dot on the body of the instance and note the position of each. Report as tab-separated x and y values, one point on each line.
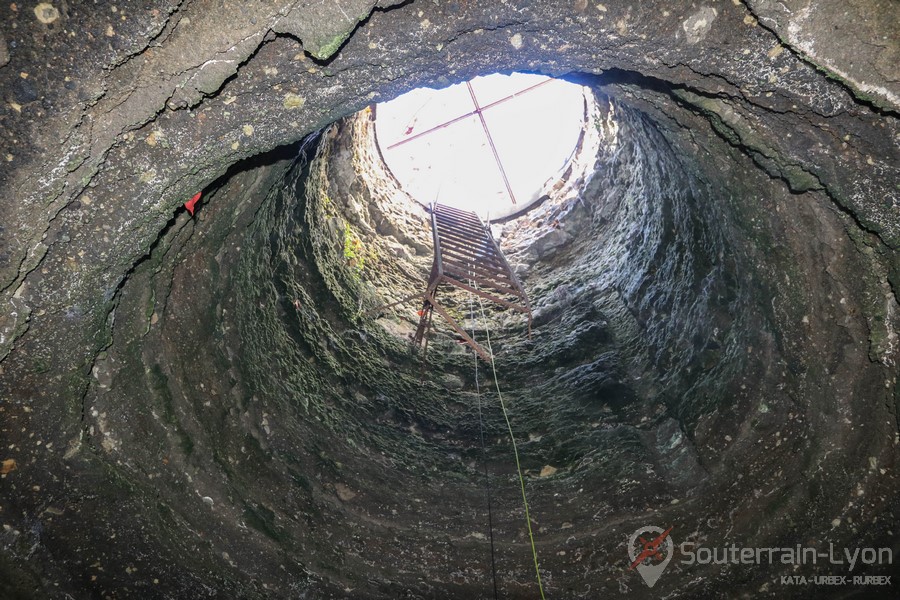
192	203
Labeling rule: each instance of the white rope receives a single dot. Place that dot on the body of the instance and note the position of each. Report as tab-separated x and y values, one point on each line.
512	438
487	479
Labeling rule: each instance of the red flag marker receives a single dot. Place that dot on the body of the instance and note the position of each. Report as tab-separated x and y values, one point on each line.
192	203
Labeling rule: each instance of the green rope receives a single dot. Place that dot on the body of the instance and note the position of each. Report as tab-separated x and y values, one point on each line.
487	332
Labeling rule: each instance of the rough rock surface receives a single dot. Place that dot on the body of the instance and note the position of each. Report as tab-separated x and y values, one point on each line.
204	407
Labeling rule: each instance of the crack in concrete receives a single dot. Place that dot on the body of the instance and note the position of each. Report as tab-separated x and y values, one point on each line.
834	75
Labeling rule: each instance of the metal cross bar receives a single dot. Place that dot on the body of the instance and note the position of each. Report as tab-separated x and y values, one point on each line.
468	114
490	139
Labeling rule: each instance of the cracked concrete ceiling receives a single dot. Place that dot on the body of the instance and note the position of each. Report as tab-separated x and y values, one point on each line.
195	406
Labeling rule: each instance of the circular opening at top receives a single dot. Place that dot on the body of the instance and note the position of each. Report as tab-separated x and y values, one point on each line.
493	145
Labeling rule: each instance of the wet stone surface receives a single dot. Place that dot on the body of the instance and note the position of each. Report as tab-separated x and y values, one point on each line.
208	406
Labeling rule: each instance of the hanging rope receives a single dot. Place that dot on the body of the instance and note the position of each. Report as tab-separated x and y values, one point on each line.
487	478
512	438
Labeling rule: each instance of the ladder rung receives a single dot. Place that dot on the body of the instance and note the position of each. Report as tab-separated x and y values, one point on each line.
489	263
475	271
487	252
461	221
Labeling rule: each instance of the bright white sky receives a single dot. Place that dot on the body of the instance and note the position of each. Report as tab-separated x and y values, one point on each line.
535	134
